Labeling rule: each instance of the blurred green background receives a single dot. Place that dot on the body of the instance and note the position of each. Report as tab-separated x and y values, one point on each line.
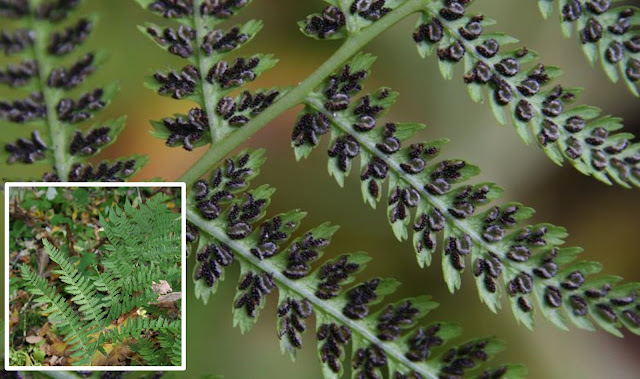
604	220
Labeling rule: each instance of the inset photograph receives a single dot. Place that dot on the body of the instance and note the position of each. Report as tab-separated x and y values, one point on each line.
96	276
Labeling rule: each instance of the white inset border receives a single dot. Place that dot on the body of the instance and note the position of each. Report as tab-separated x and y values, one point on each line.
183	285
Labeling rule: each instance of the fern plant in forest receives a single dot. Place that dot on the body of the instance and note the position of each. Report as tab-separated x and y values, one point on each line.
143	248
436	199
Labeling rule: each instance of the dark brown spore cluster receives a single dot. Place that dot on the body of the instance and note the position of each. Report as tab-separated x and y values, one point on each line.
423	340
72	111
326	24
270	236
64	42
254	288
20	74
74	76
341	87
401	200
55	10
291	315
358	299
14	8
241	216
235	75
331	275
117	171
221	8
192	232
20	111
594	145
89	144
26	150
368	362
371	10
344	150
301	254
599	24
332	340
239	111
212	261
188	129
394	318
172	8
179	41
13	42
218	41
309	128
178	84
464	358
225	181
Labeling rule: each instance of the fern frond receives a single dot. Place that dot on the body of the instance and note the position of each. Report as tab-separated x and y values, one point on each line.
384	338
133	327
579	135
144	247
208	79
83	346
529	259
606	32
78	285
59	136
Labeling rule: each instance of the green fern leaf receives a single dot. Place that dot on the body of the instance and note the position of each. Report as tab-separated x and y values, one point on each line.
606	32
529	259
208	79
578	135
386	337
53	107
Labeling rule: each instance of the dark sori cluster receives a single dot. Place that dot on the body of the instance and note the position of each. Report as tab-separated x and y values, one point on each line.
104	172
332	274
358	299
301	254
90	143
20	111
326	24
181	41
225	181
291	315
466	357
183	8
19	75
72	77
236	75
237	112
52	10
271	234
599	24
72	111
369	9
26	151
332	339
253	288
212	261
178	85
13	42
64	42
561	131
188	129
192	232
